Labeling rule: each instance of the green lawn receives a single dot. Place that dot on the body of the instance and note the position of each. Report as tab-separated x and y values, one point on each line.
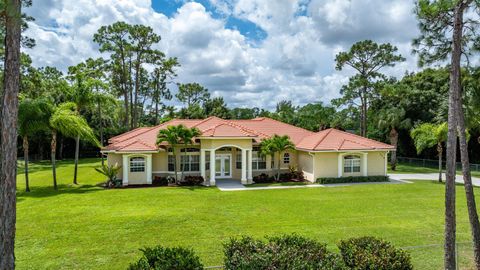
411	168
87	227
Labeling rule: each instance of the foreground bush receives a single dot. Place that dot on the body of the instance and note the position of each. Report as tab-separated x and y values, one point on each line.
366	253
284	252
353	179
160	181
263	178
164	258
191	180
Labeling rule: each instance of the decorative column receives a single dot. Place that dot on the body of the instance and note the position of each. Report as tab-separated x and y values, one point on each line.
244	166
149	169
340	165
202	165
386	161
365	164
125	170
249	163
212	167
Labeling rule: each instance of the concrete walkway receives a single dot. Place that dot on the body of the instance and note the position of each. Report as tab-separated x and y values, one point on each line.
430	177
235	185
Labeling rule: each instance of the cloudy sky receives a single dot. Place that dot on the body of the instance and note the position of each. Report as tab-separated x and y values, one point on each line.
251	52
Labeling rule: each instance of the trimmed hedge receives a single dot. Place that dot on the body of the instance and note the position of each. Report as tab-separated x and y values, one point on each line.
165	258
282	253
366	253
353	179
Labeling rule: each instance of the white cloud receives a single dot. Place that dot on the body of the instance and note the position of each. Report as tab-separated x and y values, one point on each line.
295	61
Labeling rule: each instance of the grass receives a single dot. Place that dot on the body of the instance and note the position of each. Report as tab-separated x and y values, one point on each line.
411	168
87	227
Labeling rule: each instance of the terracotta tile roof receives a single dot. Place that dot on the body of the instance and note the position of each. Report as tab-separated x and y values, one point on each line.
336	140
144	139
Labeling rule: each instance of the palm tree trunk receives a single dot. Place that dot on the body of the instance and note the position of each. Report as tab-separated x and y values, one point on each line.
77	150
450	219
175	166
8	124
394	142
183	166
53	149
278	167
440	167
25	157
467	179
60	148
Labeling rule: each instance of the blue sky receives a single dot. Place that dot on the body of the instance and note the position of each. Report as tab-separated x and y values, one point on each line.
247	28
251	52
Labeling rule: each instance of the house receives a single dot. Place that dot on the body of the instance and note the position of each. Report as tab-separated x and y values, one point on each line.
233	145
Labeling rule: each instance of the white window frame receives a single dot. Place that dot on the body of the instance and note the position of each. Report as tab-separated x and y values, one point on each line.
258	159
191	160
352	164
137	164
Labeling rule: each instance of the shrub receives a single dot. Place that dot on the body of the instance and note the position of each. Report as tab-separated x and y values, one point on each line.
283	252
191	180
372	253
165	258
353	179
110	171
263	178
295	176
160	181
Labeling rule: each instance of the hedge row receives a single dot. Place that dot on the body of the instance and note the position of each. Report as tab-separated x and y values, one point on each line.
353	179
284	253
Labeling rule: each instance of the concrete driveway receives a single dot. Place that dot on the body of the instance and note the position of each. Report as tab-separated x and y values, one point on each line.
430	176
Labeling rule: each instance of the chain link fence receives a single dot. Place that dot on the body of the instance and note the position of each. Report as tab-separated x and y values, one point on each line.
432	163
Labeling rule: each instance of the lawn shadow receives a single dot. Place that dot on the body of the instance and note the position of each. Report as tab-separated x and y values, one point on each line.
48	191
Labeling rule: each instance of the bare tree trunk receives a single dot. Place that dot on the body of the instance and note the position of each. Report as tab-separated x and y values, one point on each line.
440	154
60	148
101	130
467	178
394	142
8	127
41	151
77	150
25	157
450	219
53	149
127	111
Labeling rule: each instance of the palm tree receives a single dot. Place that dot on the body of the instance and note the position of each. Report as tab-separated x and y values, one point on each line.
171	135
276	145
392	119
32	118
186	137
66	120
428	135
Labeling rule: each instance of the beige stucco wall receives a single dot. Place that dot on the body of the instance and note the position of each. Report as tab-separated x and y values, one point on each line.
113	159
305	164
160	162
217	143
376	163
325	165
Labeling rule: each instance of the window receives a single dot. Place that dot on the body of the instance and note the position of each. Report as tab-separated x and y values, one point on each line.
207	160
171	163
286	158
190	163
258	161
351	164
238	160
137	164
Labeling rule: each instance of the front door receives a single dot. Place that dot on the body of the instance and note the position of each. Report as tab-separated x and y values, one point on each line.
223	165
